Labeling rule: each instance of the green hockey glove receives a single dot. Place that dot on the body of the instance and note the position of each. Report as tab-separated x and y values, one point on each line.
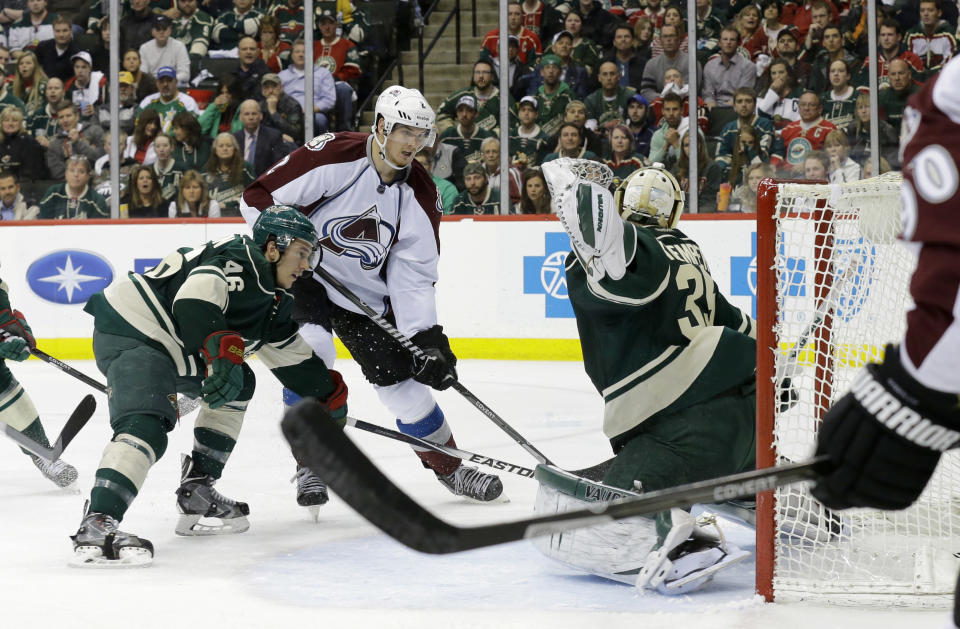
223	352
14	323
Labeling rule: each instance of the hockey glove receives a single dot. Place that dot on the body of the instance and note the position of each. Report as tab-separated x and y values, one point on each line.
885	437
13	348
14	323
223	352
437	367
336	403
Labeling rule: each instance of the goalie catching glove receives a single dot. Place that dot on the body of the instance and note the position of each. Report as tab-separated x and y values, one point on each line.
223	352
885	437
16	337
437	367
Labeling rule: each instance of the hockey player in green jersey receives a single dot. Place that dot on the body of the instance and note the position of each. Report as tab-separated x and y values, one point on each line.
16	407
673	360
186	326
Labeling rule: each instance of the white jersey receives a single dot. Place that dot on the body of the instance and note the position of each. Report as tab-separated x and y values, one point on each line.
379	240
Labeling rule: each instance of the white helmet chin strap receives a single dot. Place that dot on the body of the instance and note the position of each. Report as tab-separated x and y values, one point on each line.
383	151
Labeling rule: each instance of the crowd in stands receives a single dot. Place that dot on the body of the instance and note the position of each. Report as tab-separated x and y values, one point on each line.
211	95
782	91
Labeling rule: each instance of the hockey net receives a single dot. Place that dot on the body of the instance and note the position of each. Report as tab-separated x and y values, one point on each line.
832	290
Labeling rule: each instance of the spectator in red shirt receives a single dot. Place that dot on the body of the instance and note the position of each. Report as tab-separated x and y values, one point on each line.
530	46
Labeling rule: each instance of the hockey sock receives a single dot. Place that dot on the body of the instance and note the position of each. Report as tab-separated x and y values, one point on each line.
139	441
35	431
433	427
215	435
18	412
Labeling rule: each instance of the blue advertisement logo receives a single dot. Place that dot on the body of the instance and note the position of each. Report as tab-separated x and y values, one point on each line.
545	275
743	275
69	276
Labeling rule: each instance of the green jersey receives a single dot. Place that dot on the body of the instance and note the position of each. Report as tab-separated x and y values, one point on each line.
552	108
528	150
59	203
192	293
839	111
608	111
191	158
662	337
41	123
469	146
194	32
490	204
169	179
488	109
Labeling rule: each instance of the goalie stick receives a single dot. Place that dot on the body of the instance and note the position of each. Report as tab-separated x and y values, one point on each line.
323	447
389	328
185	405
78	418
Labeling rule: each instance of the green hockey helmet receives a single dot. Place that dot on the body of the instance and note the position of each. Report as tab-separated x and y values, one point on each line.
285	224
650	196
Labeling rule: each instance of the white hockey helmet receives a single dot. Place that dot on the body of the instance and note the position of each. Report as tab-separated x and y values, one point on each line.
650	196
406	106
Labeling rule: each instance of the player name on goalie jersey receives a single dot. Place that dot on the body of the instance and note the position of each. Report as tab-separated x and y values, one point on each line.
663	356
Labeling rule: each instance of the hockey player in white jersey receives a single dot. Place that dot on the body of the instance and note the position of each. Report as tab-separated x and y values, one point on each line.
886	435
377	213
674	362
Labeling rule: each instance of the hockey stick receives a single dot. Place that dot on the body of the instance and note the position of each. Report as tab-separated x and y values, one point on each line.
594	488
317	441
387	327
437	447
185	404
78	418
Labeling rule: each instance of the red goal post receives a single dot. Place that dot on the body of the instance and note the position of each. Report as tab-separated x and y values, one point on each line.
832	290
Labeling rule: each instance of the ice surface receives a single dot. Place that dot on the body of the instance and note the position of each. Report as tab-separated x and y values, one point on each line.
341	572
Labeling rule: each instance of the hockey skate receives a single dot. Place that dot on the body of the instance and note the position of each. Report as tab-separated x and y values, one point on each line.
98	543
311	491
471	483
690	565
196	499
61	473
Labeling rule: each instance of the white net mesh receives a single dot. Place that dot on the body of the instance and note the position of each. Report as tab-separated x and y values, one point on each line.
842	293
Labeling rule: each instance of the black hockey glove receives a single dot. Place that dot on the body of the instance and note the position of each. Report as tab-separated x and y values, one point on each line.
437	367
885	437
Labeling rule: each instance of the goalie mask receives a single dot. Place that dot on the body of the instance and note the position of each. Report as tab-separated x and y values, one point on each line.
650	196
406	111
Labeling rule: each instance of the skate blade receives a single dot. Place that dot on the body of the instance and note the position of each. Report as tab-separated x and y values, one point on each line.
701	577
314	512
88	557
190	525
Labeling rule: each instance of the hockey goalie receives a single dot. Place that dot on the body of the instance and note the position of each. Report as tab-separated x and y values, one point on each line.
674	362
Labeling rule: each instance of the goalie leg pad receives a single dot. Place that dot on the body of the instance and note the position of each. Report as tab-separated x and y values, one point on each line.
616	550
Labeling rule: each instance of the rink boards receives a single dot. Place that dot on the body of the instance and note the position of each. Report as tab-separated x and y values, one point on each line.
502	291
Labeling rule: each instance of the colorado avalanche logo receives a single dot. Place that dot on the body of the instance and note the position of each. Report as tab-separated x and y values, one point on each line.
358	237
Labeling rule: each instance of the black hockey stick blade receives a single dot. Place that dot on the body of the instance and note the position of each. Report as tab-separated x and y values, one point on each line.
77	420
322	446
